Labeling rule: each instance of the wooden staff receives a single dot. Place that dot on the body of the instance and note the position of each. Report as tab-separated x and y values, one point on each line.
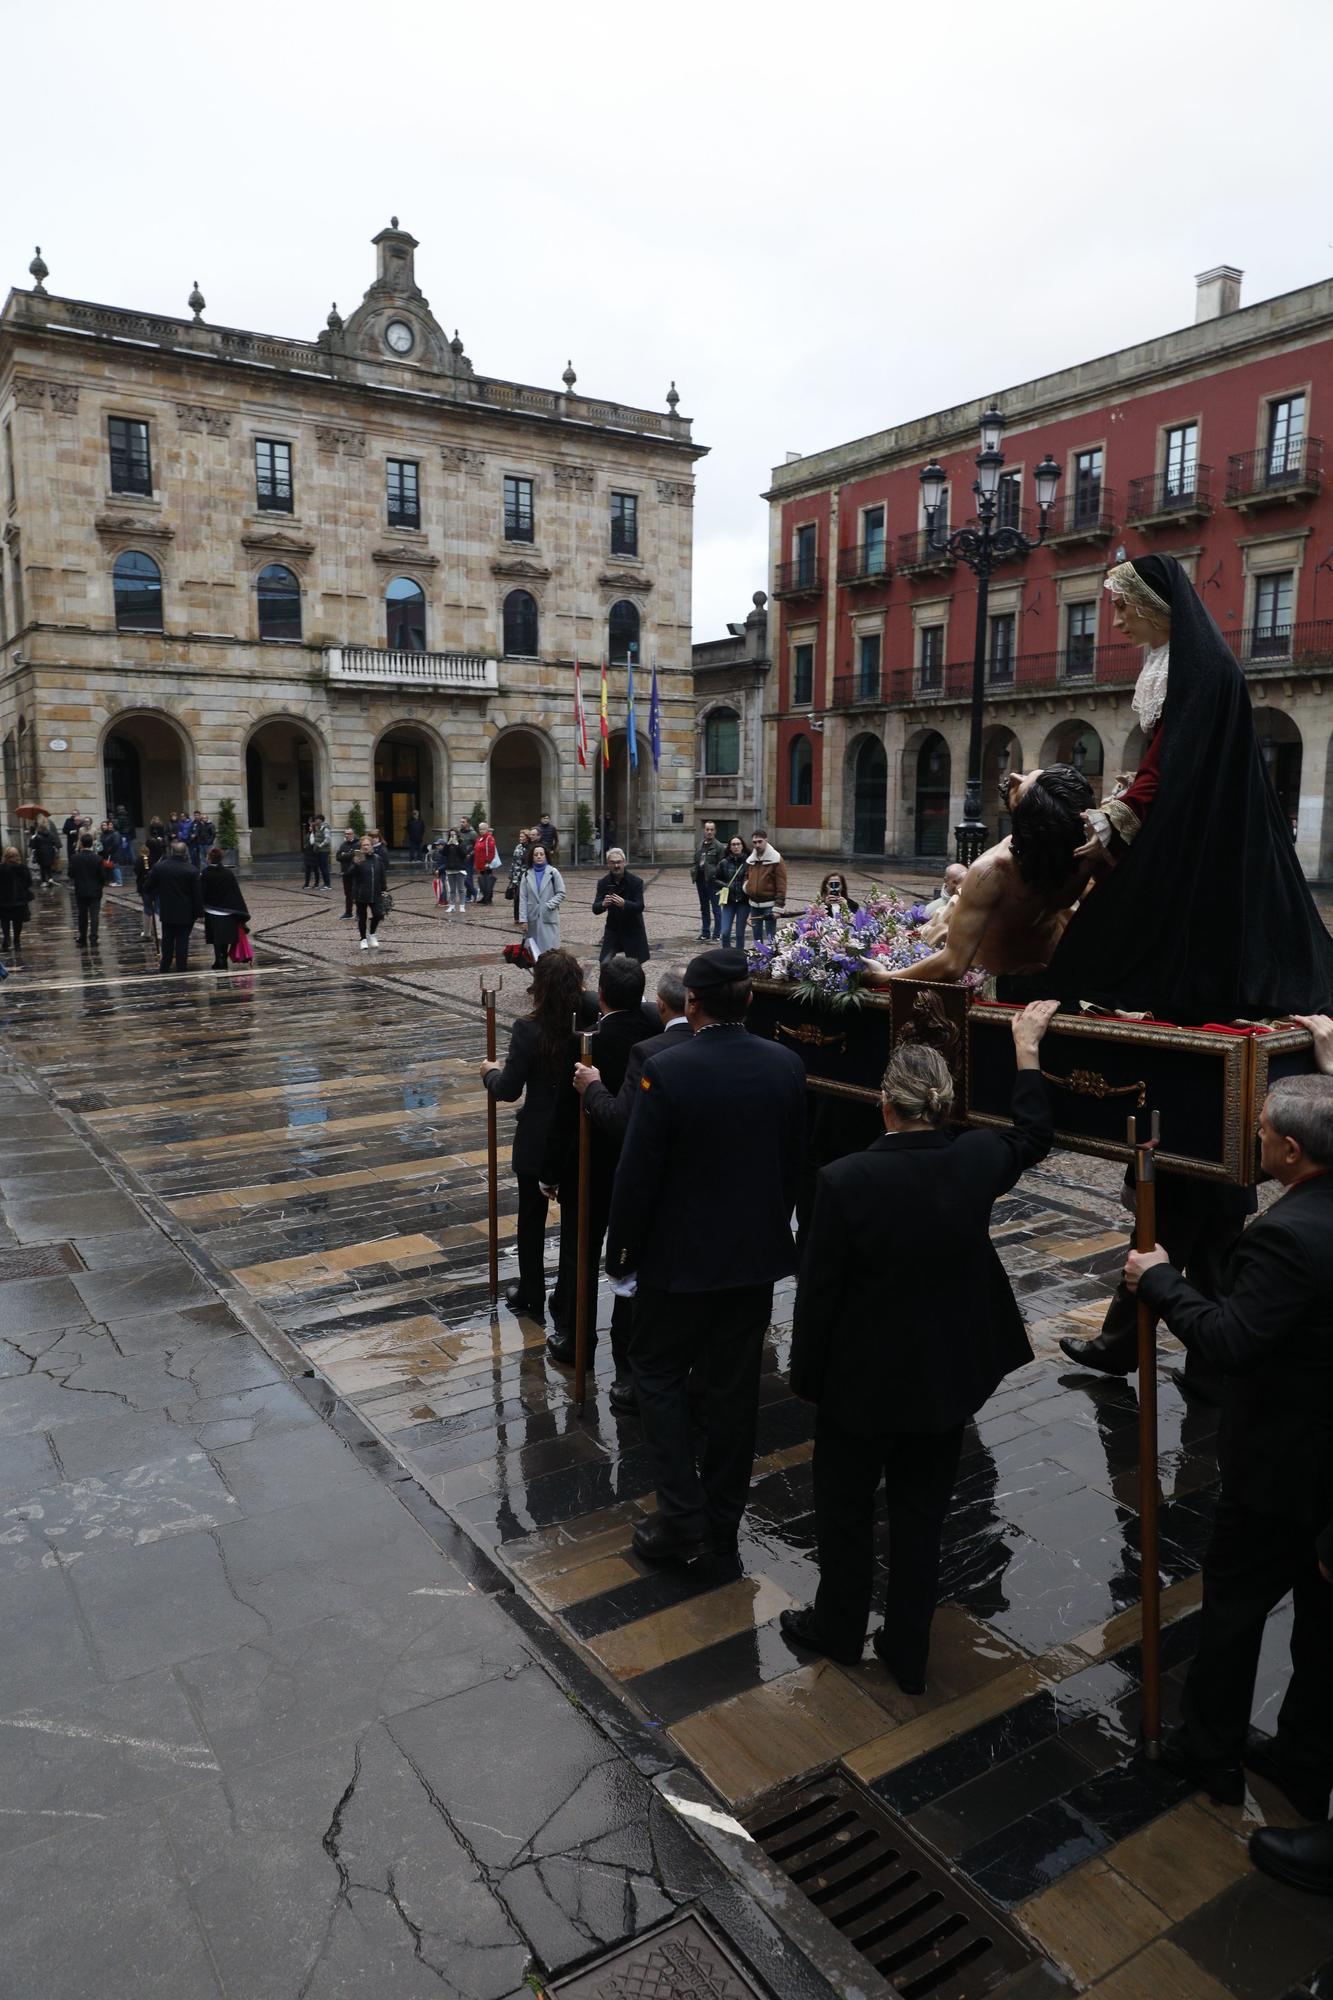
581	1282
488	994
1145	1235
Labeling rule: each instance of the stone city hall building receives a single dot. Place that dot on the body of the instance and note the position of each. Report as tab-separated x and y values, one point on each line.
1206	444
301	574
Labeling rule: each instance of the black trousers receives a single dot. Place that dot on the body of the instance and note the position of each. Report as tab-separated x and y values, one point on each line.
533	1208
349	888
718	1338
175	947
366	912
1252	1562
12	920
564	1293
90	917
918	1470
1198	1226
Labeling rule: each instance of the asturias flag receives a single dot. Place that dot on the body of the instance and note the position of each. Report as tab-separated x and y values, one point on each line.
631	733
606	729
580	718
655	722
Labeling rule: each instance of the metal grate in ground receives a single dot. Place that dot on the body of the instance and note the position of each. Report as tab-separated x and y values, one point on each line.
916	1923
45	1260
682	1960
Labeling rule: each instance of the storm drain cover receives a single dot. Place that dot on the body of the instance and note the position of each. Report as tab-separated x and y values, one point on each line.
916	1923
47	1260
682	1960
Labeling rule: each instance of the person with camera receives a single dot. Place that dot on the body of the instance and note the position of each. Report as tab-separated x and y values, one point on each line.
369	876
619	899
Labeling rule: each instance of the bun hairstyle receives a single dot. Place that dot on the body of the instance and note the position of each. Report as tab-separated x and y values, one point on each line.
918	1085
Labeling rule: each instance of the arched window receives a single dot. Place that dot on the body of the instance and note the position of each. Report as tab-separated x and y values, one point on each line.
405	609
623	632
137	581
520	625
800	772
722	743
279	603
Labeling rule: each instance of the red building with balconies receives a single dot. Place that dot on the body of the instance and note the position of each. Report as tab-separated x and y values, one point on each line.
1205	444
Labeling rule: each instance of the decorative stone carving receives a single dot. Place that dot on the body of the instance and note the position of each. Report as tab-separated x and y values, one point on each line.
458	458
128	528
198	417
28	394
64	397
675	492
405	557
624	580
190	416
351	444
519	567
278	546
217	423
575	478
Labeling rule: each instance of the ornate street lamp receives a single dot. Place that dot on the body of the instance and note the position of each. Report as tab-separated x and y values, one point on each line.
981	547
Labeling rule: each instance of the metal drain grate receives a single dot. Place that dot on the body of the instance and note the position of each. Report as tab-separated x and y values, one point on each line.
682	1960
47	1260
916	1923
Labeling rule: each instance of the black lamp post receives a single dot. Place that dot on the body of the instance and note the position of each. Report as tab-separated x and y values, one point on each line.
981	547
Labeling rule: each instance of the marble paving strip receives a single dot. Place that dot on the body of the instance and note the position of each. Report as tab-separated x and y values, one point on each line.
701	1621
306	1135
777	1731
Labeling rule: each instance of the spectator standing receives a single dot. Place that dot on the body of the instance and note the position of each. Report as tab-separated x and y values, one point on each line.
619	898
833	893
108	846
416	837
731	893
467	840
485	858
123	826
224	907
449	867
723	1110
703	874
765	884
545	834
541	1051
895	1386
540	894
155	841
321	848
1270	1334
142	868
15	900
369	874
45	848
180	904
519	863
205	833
87	877
71	828
346	857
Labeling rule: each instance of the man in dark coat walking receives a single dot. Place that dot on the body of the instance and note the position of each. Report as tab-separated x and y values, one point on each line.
1271	1336
900	1348
620	899
180	904
723	1110
87	876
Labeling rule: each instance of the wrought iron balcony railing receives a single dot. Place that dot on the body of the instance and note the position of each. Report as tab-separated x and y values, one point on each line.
802	578
868	563
1183	495
1104	666
917	554
859	690
1308	647
1087	515
1293	471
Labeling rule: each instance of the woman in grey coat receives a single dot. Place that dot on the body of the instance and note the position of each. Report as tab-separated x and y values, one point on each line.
540	894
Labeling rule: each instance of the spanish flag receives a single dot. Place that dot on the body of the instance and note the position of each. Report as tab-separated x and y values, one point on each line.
606	728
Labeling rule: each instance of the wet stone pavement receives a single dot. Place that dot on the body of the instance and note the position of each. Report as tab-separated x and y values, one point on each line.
328	1665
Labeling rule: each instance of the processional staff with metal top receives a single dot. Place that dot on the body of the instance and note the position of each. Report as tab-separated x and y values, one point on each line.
1145	1235
488	994
581	1281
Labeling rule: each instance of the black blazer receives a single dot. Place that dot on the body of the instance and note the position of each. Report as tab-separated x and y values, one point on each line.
87	874
905	1320
722	1110
523	1076
15	885
609	1110
1271	1333
625	930
176	886
616	1035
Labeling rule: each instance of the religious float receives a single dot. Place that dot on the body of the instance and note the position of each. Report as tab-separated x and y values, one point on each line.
1206	1084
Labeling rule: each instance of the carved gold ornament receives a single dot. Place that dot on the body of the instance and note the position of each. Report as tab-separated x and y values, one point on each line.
1091	1083
814	1037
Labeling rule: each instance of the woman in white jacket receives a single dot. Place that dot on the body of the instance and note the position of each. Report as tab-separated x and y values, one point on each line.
540	894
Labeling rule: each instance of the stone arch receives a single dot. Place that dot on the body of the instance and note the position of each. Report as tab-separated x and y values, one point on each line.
153	768
522	776
1076	742
1283	750
1001	752
1132	753
865	794
285	762
409	773
927	772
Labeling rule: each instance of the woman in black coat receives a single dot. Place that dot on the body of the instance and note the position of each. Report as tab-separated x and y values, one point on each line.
224	907
368	876
620	899
15	900
45	848
542	1054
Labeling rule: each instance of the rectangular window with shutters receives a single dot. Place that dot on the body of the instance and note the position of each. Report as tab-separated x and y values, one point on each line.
273	476
1080	640
931	656
1000	649
518	509
802	676
624	524
131	467
867	667
404	492
1273	600
1182	464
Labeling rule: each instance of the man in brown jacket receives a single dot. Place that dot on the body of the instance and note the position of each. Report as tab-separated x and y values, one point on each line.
765	884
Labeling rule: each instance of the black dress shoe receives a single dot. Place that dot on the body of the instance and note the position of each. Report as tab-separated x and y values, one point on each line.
1263	1756
657	1542
1108	1357
561	1348
1301	1855
623	1399
1224	1783
798	1625
518	1301
908	1681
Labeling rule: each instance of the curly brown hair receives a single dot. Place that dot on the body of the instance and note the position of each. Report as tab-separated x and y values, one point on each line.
557	990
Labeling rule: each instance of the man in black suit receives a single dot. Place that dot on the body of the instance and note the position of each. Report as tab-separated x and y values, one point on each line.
622	1022
1271	1336
619	898
723	1110
87	875
900	1347
180	904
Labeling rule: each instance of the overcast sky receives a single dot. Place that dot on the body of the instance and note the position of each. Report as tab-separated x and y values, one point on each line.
818	219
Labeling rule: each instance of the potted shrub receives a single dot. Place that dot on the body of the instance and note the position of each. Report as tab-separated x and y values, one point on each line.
584	831
229	839
356	819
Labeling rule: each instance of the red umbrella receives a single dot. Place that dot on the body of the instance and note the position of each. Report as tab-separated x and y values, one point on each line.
32	812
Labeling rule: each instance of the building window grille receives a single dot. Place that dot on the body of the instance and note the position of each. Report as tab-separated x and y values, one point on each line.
131	466
624	524
518	510
404	493
137	582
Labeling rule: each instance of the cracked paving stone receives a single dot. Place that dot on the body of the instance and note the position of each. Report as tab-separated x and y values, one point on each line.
149	1607
44	1656
144	1503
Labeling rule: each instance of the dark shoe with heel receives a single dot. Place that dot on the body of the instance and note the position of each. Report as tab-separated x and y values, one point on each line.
1106	1357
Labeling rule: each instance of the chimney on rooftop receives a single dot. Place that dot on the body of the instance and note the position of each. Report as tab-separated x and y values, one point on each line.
1218	292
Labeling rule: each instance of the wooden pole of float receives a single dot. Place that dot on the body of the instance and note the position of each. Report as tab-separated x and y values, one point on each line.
488	994
581	1283
1145	1235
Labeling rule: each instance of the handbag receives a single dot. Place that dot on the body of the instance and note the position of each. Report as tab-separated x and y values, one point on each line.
385	903
242	952
439	890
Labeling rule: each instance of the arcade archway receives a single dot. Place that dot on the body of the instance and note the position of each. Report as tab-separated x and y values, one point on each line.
519	782
867	783
929	788
1283	753
408	779
284	784
1076	742
147	767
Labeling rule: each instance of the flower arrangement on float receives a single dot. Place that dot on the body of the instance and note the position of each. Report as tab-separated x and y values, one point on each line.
823	953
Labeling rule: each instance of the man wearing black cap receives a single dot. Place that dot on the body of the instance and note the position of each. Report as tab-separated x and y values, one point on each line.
704	1295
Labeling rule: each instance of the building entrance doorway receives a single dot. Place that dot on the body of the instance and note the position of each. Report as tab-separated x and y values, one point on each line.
870	797
932	796
143	770
516	784
398	788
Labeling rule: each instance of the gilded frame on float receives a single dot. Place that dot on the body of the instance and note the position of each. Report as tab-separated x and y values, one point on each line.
846	1050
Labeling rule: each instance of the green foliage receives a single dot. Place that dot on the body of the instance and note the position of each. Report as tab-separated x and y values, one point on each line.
228	837
584	824
356	819
478	813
